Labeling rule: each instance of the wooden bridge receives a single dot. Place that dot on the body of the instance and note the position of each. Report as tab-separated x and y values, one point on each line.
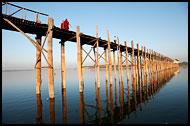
142	59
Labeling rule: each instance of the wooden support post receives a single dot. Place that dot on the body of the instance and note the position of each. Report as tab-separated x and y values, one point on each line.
63	64
147	69
127	65
106	64
135	68
38	70
81	67
143	60
121	61
50	59
133	63
153	61
114	65
139	63
79	58
150	62
109	56
95	68
97	44
118	65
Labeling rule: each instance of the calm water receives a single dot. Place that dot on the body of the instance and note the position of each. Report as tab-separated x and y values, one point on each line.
161	98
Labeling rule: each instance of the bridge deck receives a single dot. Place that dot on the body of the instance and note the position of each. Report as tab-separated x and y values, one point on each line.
32	27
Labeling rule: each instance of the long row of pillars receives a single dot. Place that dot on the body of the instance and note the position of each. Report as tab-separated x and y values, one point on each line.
139	96
146	62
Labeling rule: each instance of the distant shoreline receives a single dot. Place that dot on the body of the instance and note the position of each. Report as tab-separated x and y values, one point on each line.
180	65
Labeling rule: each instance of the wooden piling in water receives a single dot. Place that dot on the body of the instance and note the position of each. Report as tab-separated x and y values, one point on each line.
127	65
148	62
97	54
63	64
118	60
95	68
146	66
38	65
82	79
50	58
106	64
79	58
121	62
138	63
143	61
109	57
114	65
132	65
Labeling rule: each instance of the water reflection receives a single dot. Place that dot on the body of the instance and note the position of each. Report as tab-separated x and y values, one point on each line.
39	109
141	93
81	109
143	90
52	111
64	104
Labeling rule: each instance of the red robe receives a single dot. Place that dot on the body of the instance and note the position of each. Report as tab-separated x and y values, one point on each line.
66	24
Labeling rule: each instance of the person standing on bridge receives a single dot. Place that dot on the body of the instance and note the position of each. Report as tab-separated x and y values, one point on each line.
62	25
66	24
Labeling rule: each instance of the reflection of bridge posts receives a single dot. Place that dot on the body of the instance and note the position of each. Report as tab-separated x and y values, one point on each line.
116	93
144	86
111	104
140	93
99	106
81	108
64	106
39	109
128	99
134	92
52	111
120	100
107	99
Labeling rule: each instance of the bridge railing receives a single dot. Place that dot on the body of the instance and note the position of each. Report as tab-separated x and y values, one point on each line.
8	7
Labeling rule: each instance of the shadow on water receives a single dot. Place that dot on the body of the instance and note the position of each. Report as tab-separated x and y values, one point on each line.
143	90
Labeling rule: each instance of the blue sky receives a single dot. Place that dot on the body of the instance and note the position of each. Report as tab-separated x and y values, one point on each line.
160	26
